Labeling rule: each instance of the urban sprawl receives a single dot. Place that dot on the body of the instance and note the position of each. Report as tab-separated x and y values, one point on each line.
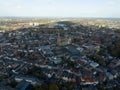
62	55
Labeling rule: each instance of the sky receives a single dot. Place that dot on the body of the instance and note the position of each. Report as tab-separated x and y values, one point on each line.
60	8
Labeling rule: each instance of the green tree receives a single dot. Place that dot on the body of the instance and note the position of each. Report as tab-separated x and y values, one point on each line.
53	87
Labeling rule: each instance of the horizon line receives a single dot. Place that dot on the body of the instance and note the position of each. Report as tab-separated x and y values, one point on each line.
59	17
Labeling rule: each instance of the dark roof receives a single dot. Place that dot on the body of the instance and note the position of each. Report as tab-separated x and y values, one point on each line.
22	85
72	49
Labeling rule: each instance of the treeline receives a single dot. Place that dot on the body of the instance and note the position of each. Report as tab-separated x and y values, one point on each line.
114	49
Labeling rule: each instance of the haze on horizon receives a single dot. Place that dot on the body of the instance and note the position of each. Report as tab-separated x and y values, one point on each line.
60	8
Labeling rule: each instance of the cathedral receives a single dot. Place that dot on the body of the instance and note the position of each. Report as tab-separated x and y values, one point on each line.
63	41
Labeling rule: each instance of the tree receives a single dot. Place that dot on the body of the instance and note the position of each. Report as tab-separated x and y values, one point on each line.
114	49
53	87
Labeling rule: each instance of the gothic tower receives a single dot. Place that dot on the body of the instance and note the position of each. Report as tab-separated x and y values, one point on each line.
59	41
